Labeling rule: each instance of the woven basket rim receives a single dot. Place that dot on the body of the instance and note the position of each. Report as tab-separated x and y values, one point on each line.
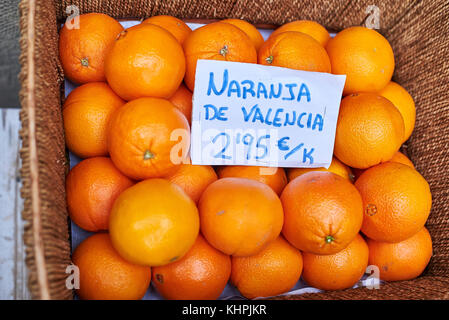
46	277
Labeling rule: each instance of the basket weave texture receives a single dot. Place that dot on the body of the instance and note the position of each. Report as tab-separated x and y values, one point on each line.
417	31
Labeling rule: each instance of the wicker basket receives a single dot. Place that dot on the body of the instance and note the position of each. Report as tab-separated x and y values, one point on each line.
417	30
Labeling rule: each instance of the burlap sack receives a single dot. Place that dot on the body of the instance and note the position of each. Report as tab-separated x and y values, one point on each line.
417	30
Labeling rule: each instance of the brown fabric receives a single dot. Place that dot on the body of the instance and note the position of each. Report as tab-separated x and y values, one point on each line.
417	30
335	15
427	287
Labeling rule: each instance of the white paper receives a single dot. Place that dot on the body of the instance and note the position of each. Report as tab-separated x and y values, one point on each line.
250	114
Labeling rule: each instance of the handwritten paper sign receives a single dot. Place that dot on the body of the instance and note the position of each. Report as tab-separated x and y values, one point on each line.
249	114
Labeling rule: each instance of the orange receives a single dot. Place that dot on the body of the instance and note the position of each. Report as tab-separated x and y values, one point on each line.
273	271
104	275
337	271
405	104
369	131
398	157
182	99
250	30
82	50
153	223
403	260
193	179
336	167
92	187
294	50
86	113
216	41
140	137
396	201
240	216
145	61
323	212
273	177
201	274
175	26
364	56
311	28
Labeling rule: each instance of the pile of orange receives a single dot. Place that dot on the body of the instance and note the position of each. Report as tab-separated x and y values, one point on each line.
189	229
